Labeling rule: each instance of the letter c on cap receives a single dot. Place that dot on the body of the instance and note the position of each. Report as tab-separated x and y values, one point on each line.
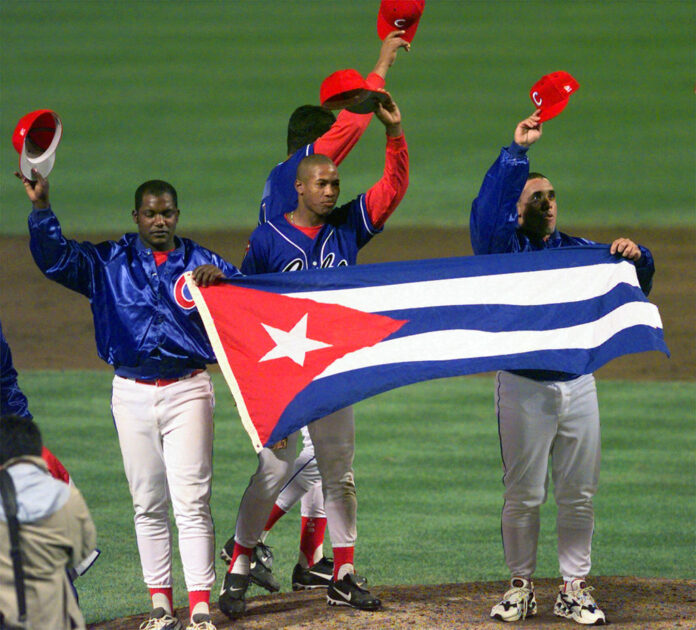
401	22
537	99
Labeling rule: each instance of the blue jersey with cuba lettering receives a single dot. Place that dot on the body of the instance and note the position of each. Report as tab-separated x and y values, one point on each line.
145	322
277	245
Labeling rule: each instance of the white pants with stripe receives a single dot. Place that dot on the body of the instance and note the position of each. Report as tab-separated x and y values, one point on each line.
166	439
538	420
334	444
304	484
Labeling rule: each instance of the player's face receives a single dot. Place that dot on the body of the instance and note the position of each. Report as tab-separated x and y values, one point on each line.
319	190
537	208
156	220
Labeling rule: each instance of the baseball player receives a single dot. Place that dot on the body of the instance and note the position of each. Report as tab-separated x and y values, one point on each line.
543	414
317	235
146	326
311	130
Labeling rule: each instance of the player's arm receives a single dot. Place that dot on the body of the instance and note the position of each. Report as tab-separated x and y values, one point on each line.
213	272
12	399
383	198
66	261
493	218
344	134
641	257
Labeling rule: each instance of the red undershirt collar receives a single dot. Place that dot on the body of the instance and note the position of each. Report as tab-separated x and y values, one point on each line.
308	231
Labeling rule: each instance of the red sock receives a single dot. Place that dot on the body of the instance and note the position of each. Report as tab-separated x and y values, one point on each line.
239	550
311	536
342	555
196	597
276	513
167	592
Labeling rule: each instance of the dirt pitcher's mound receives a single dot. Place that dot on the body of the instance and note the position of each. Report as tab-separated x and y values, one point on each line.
650	604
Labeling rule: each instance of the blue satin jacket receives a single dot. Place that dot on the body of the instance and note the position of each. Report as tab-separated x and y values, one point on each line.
145	322
13	402
494	230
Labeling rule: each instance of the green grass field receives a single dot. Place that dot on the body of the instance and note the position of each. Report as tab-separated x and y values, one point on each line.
199	93
429	484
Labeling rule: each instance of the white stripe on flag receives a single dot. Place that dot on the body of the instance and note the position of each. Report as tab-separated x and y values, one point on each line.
548	286
447	345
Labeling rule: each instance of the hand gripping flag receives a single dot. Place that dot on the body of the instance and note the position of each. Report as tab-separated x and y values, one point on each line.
294	347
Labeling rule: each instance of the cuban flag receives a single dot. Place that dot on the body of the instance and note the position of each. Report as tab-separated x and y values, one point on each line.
294	347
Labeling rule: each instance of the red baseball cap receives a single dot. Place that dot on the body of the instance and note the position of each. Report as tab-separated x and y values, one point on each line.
399	15
550	94
36	139
343	88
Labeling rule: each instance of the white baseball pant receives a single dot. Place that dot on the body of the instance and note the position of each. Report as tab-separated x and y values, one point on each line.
166	439
304	484
272	472
538	419
334	446
334	443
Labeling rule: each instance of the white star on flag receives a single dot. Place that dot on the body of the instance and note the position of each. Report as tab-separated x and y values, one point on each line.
293	344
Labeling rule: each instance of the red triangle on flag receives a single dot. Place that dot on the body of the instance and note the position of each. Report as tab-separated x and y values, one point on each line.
275	345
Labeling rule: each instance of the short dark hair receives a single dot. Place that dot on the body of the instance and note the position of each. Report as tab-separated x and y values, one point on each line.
155	187
311	160
536	175
306	124
18	436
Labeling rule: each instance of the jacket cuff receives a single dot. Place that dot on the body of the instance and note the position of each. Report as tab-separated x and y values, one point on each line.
517	150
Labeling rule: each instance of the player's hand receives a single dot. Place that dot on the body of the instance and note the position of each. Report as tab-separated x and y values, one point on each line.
626	248
528	131
387	54
205	275
390	116
37	191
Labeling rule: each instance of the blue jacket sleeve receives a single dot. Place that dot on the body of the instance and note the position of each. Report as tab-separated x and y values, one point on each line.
645	269
12	399
227	268
493	218
66	261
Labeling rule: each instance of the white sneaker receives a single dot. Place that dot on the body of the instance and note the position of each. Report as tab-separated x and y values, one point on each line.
575	602
517	603
160	619
201	621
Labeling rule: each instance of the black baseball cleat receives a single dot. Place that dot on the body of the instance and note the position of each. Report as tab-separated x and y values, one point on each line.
317	576
227	551
260	568
347	592
232	596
